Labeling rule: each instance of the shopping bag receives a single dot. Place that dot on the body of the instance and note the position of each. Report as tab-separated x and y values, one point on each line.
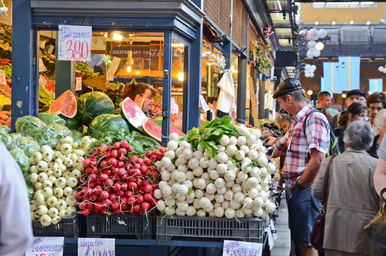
376	229
317	233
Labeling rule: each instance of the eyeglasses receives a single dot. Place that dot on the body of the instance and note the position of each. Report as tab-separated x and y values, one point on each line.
359	99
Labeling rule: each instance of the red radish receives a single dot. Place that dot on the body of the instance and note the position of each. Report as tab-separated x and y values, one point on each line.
162	151
147	189
122	151
113	197
154	174
140	161
148	197
104	210
153	202
92	177
106	202
115	206
114	153
124	144
97	190
98	181
117	145
139	199
104	195
145	206
143	169
113	161
124	199
137	173
86	198
131	200
152	168
95	171
136	208
82	205
159	158
124	186
86	212
104	164
121	164
133	186
137	166
86	163
109	148
124	207
146	182
121	158
121	172
90	206
79	196
128	165
92	185
93	197
96	211
116	187
148	153
147	162
120	193
98	206
86	190
88	170
130	148
154	186
103	177
107	155
115	170
129	193
139	182
133	158
124	177
132	179
107	171
118	211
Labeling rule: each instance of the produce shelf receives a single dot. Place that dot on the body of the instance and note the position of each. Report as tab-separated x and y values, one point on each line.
121	226
67	227
213	229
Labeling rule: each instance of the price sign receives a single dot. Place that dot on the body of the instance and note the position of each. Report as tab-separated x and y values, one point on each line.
75	43
113	67
46	246
42	68
237	248
2	77
78	84
96	247
42	80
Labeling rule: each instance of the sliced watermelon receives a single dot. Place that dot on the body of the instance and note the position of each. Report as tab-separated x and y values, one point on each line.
133	114
173	128
93	104
106	123
152	129
65	105
143	139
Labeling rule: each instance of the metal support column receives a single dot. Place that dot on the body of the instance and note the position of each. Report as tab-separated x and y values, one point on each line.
25	90
167	86
261	98
277	74
64	74
227	52
242	90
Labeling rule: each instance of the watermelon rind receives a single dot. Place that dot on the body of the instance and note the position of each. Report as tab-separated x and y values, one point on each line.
72	123
106	124
173	128
142	139
155	133
49	118
68	101
93	104
132	114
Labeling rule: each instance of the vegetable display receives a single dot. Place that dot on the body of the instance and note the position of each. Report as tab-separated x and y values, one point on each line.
216	170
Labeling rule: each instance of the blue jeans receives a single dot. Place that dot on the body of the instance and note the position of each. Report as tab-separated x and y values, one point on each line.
303	209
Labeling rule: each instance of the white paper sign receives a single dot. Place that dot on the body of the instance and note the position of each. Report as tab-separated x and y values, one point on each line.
203	105
273	230
96	247
75	43
271	241
42	80
78	84
2	77
42	68
236	248
113	67
46	246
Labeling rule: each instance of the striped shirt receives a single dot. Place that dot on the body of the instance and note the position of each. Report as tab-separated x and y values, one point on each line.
296	145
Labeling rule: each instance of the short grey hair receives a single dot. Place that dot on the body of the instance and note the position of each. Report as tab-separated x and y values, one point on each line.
358	135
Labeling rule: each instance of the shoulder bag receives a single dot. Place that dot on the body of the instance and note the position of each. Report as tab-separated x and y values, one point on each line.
376	229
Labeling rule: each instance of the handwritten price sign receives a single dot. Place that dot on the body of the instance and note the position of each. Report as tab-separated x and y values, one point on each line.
46	246
237	248
75	43
96	247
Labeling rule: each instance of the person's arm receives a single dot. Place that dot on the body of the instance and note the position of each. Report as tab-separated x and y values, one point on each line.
280	146
312	168
380	171
317	186
15	217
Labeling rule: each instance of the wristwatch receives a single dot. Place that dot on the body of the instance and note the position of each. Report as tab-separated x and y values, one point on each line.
299	186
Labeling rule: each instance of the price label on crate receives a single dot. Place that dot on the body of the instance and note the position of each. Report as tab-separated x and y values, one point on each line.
46	246
42	68
75	43
78	84
96	247
237	248
2	77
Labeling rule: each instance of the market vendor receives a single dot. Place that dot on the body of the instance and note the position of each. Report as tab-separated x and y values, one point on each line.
142	94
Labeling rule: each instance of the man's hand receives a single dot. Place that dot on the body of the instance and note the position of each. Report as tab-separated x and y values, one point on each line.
312	168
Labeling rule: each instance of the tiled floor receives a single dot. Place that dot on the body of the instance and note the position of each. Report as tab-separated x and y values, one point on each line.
282	243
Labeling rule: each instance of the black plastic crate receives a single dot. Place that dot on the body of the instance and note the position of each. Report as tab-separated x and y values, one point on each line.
134	226
207	228
67	227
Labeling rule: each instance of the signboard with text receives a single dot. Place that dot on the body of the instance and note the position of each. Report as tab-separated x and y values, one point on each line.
237	248
75	43
96	247
46	246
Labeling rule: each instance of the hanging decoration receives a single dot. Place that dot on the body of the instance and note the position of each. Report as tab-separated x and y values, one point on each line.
262	61
213	57
268	30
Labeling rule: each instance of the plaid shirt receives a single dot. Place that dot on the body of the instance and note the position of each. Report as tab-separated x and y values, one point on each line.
296	145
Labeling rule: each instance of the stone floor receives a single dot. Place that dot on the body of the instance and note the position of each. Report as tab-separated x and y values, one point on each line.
282	243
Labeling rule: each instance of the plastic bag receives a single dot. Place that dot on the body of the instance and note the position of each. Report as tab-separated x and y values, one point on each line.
77	135
49	118
4	128
29	126
6	139
51	134
21	159
27	145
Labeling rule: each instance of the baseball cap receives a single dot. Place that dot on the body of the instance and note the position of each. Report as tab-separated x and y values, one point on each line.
288	85
356	91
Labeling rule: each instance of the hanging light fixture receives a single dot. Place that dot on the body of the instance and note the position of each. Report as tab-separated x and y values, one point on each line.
310	92
319	46
117	36
130	60
344	95
351	22
333	22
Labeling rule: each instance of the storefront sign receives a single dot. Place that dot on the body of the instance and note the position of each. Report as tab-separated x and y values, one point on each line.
237	248
42	68
78	84
75	43
96	247
46	246
2	77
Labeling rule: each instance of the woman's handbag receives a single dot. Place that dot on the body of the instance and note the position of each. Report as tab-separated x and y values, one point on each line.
317	234
376	229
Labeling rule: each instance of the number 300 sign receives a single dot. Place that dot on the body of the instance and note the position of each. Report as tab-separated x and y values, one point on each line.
75	43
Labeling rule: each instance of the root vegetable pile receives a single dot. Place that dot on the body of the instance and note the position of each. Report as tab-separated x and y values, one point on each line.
218	170
117	181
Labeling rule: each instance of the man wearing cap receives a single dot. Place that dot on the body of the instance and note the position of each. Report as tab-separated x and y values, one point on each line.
352	96
302	206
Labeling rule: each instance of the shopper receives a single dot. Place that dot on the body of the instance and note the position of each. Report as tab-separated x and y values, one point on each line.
324	100
353	96
302	206
142	94
355	111
375	103
380	171
352	201
379	128
326	112
15	218
284	122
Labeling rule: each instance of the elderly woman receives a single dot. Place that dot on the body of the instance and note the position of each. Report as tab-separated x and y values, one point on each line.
352	201
379	128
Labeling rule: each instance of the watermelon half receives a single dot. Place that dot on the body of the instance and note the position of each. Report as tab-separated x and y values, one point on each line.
106	123
173	128
65	105
93	104
133	114
152	129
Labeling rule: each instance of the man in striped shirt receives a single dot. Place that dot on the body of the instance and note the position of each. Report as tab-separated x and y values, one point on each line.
299	174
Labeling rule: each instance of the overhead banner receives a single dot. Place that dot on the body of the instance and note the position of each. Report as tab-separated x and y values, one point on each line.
376	85
349	72
331	76
325	87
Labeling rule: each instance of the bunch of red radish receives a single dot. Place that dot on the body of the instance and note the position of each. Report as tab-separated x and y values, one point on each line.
117	181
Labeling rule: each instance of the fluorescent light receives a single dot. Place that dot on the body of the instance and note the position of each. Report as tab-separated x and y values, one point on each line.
279	5
117	37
